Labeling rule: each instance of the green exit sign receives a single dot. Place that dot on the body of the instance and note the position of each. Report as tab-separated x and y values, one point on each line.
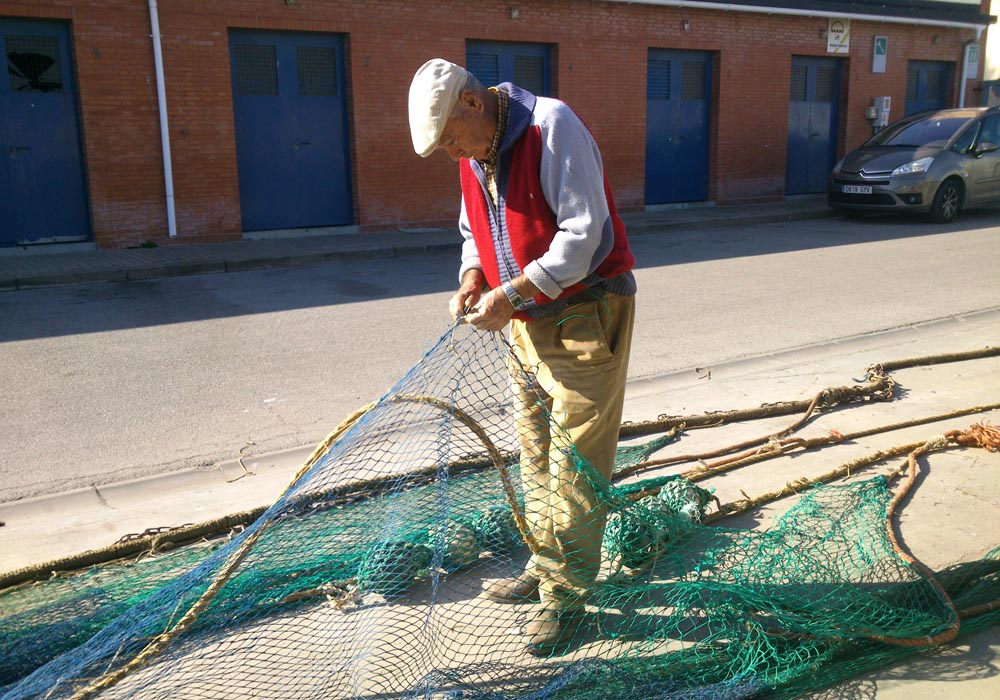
881	50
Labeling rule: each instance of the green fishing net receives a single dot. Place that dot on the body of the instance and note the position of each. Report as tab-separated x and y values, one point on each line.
365	580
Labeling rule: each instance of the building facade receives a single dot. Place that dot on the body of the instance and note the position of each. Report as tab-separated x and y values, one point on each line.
126	122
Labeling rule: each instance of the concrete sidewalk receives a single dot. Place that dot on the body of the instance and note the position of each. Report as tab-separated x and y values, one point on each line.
41	266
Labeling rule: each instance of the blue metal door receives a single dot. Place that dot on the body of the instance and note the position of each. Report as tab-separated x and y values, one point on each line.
42	187
927	86
678	96
813	119
525	65
290	112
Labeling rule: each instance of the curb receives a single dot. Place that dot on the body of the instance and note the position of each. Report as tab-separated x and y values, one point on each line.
378	247
643	229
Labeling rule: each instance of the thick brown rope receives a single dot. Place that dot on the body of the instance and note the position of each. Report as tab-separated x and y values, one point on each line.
783	447
826	398
879	388
911	477
943	358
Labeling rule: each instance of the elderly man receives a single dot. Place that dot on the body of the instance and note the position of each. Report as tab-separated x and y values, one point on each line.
544	250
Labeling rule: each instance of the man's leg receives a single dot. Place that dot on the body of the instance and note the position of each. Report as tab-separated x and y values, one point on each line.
533	408
582	366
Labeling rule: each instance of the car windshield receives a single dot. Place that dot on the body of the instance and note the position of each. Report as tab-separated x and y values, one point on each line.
923	132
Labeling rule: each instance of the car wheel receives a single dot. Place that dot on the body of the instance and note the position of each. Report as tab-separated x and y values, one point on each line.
947	202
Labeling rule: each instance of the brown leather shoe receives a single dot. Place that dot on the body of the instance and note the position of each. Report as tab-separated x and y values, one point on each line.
517	589
552	631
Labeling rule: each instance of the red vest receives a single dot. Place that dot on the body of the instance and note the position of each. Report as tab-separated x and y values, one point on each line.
530	224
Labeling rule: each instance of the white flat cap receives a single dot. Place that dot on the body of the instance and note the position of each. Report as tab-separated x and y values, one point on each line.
433	93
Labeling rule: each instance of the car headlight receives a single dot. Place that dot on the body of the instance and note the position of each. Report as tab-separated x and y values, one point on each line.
838	166
921	165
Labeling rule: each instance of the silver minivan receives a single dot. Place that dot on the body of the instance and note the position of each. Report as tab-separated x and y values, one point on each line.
932	162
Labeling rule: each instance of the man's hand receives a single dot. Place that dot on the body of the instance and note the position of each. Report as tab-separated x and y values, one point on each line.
492	313
462	301
468	294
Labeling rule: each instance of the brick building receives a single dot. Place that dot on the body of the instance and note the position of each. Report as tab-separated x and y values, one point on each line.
291	114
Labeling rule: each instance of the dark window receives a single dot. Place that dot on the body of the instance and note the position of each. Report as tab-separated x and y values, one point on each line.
658	79
912	80
797	89
991	130
964	142
485	66
317	66
529	73
826	83
256	69
935	85
523	64
693	80
33	63
923	132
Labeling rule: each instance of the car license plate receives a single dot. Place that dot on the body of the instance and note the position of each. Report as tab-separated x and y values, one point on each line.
856	189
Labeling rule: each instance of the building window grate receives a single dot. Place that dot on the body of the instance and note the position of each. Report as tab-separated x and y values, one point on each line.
826	84
529	73
797	89
485	66
935	85
912	81
317	68
693	80
33	63
256	69
658	79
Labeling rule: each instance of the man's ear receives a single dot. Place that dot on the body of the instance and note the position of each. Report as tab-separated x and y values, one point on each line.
471	101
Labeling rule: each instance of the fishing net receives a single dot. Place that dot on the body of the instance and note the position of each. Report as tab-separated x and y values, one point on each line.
364	580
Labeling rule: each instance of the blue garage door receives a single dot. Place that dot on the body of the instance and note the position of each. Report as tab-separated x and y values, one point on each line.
813	113
290	110
678	92
42	187
525	65
927	86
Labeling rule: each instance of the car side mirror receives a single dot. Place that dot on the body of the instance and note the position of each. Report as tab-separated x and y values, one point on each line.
985	147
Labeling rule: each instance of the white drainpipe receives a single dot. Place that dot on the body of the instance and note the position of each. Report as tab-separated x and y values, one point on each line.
161	98
965	75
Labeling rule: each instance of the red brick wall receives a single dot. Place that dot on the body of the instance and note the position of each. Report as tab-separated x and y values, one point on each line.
599	67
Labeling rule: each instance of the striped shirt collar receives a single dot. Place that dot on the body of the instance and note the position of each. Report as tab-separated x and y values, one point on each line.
503	110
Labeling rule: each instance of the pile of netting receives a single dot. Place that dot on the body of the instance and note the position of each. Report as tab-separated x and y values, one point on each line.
364	579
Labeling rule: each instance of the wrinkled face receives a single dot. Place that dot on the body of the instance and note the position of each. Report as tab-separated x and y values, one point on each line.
469	130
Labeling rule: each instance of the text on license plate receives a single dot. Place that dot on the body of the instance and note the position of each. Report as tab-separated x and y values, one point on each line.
856	189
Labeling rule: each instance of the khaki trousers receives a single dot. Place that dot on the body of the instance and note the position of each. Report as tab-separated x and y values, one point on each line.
572	397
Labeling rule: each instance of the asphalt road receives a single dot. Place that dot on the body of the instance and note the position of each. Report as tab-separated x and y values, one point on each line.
103	382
